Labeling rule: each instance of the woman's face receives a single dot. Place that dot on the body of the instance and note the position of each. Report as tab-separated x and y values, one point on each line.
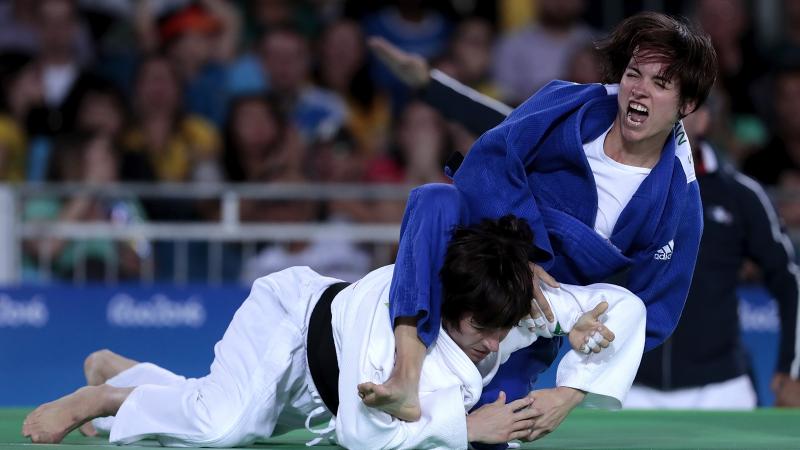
157	88
649	104
341	53
473	48
421	136
255	127
100	112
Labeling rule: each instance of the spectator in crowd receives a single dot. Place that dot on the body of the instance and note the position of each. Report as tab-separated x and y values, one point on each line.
422	144
742	72
584	65
528	58
469	57
59	68
286	57
246	74
18	26
421	147
413	26
12	151
740	61
20	29
335	159
200	40
695	369
54	82
165	144
260	147
343	69
343	259
103	109
89	159
790	36
263	16
17	92
254	137
176	146
778	164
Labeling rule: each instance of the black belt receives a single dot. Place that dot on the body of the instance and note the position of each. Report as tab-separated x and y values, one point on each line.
322	361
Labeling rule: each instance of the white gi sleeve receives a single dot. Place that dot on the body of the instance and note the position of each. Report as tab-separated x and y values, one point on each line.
607	376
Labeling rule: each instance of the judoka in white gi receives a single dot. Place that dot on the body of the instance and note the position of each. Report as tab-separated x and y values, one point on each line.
260	384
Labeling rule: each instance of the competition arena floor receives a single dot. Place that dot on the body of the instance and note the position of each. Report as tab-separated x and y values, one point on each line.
584	429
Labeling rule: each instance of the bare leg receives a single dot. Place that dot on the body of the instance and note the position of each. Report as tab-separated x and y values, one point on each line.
98	368
50	422
399	396
104	364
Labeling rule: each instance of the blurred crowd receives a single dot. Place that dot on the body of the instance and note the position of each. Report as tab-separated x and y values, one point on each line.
266	91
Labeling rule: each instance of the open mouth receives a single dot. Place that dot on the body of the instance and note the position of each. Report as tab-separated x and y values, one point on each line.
637	114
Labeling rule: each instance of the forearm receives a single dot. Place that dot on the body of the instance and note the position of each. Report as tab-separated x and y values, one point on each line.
571	397
462	104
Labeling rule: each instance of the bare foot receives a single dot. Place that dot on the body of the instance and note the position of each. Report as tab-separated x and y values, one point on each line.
52	421
392	399
104	364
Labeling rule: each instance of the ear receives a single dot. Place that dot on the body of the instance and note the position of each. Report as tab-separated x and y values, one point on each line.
687	108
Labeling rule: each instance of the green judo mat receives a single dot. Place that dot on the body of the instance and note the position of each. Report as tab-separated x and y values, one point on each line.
583	429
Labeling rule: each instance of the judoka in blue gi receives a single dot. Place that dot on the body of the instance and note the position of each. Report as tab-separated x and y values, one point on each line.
604	175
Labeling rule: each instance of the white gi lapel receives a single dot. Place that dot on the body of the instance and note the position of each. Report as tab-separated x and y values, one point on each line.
461	366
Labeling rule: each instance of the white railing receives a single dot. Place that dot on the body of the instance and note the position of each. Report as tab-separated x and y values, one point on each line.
228	229
14	231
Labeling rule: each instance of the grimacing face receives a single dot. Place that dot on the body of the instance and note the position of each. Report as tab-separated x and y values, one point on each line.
476	341
649	104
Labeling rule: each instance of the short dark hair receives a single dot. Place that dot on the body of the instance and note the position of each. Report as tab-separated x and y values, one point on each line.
688	52
486	273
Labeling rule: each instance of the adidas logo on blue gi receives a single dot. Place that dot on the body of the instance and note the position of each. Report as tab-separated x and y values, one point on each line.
665	252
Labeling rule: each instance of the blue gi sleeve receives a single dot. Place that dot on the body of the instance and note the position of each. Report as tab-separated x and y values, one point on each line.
432	211
493	179
661	277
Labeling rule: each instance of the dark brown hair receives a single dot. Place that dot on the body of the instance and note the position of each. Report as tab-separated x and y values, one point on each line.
690	58
486	274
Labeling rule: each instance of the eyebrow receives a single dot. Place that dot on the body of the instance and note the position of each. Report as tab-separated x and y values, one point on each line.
660	78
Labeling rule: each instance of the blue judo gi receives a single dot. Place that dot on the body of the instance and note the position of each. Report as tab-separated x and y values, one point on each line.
533	165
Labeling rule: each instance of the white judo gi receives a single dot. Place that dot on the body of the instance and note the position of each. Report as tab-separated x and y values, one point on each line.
259	384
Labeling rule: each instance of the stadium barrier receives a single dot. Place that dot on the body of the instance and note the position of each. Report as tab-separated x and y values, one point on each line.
47	331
